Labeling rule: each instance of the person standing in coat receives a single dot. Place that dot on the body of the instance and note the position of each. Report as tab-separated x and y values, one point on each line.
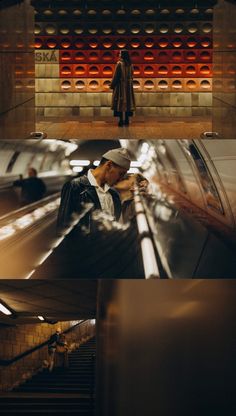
32	188
123	101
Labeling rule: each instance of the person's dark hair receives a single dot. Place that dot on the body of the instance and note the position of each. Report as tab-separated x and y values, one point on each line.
139	178
125	56
103	161
35	172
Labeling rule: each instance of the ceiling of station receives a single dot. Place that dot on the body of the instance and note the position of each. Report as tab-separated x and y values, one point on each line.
56	300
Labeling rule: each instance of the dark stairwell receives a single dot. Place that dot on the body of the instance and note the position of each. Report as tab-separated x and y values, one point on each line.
63	391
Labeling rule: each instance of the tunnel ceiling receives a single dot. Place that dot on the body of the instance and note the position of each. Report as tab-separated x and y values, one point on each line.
93	149
55	300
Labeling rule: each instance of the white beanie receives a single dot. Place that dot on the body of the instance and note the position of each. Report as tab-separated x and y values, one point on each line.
120	156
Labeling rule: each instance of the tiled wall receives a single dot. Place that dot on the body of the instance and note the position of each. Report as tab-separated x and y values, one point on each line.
17	72
77	48
16	340
224	58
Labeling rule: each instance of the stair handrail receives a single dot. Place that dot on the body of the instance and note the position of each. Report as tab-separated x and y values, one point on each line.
6	363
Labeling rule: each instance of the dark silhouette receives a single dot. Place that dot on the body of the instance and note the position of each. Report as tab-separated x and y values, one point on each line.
123	102
32	188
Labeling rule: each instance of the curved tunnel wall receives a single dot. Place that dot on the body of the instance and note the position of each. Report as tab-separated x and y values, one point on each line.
208	182
192	215
17	156
77	48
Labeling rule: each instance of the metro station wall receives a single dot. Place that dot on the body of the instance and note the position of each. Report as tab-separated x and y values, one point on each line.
16	340
77	48
17	70
224	59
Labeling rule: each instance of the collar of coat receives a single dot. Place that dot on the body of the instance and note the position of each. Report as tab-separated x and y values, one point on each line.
83	182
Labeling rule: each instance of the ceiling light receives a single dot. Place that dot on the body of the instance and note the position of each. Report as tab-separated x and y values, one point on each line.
135	164
133	170
77	169
80	162
41	318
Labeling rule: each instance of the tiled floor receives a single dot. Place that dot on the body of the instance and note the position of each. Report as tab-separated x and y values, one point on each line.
152	128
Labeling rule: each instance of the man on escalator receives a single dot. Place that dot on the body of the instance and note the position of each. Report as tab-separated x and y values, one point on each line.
96	187
32	188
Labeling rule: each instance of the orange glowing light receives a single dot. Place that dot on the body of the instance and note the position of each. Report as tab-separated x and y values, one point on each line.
148	56
191	70
51	43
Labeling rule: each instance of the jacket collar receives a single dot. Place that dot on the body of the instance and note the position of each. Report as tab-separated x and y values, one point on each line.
91	191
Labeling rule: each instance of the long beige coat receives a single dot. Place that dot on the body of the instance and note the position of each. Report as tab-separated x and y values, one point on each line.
122	86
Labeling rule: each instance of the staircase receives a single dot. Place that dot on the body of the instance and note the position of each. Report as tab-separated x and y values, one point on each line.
63	391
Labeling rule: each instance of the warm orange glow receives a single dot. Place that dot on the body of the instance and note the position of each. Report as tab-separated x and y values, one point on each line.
148	56
191	70
38	43
107	56
148	70
206	43
205	56
205	70
93	70
163	43
80	70
93	43
177	70
66	56
163	70
136	70
107	43
149	43
66	70
177	43
135	43
79	43
121	43
177	56
191	56
51	43
191	43
107	70
79	56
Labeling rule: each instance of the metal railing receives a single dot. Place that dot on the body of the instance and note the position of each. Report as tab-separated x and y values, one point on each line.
24	354
15	223
150	265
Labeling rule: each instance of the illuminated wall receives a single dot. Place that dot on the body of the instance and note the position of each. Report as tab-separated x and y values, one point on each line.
77	48
224	69
17	101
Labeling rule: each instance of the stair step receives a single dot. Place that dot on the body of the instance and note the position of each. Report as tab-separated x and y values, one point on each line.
40	405
77	380
50	388
84	412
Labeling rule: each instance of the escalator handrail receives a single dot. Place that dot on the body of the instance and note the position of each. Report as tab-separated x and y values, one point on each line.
28	208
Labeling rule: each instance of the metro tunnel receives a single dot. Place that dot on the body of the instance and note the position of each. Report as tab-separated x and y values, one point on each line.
130	347
182	225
